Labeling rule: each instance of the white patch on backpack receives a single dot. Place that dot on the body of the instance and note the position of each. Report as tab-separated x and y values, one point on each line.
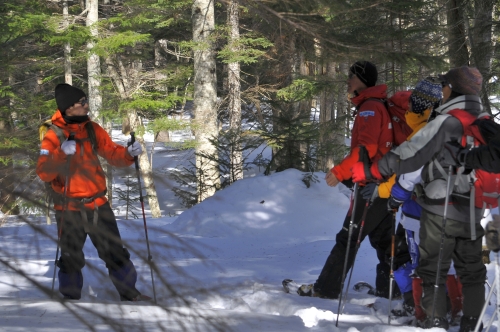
44	152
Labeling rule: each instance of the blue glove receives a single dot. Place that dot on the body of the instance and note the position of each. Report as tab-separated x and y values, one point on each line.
367	191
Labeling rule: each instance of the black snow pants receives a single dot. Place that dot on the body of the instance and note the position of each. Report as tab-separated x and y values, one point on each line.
378	228
105	236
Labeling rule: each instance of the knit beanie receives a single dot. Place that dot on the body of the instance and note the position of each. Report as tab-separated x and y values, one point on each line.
67	95
366	72
464	80
425	95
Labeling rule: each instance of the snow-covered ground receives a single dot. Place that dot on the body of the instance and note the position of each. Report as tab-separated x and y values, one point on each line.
226	256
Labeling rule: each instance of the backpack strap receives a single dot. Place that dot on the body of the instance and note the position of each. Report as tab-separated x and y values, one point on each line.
91	136
59	133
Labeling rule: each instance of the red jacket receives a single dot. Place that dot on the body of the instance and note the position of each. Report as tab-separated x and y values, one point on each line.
86	177
372	128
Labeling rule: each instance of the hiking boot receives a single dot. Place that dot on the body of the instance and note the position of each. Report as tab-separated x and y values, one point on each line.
308	290
404	311
468	324
441	322
454	319
384	293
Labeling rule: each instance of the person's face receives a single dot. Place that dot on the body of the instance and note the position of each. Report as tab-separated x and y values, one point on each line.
80	108
354	84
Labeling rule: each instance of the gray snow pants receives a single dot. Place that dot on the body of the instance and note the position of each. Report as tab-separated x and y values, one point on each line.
466	255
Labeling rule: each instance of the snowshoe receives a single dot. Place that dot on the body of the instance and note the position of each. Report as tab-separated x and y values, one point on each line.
441	322
138	298
290	286
362	287
306	290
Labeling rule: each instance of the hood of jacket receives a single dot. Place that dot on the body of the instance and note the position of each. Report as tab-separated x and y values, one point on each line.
377	91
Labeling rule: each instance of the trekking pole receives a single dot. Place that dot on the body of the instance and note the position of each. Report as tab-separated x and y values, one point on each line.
488	299
65	202
446	202
141	198
358	243
391	273
351	225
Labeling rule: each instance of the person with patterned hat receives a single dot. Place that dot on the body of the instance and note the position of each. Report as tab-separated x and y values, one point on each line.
461	87
424	98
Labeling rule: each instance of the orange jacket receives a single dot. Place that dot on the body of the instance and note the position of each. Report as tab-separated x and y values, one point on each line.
372	128
86	177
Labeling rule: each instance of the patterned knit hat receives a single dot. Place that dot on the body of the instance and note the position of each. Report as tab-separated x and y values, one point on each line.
425	95
464	80
67	95
366	72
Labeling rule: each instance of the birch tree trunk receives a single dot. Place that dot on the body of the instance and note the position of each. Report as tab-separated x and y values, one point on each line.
93	63
234	89
68	75
146	168
94	84
123	84
205	98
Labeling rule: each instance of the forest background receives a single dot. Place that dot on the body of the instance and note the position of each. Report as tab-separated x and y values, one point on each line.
236	74
233	75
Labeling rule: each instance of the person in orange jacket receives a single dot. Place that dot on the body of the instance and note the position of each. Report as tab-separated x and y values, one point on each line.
372	129
80	203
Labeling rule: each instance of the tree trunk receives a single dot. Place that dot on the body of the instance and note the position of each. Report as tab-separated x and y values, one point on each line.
343	109
234	92
68	75
93	63
119	74
205	98
327	114
457	46
146	168
482	48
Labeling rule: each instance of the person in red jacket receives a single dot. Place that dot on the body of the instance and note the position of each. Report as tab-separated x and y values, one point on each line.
372	128
82	198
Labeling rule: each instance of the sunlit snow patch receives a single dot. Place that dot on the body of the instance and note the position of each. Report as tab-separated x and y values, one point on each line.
311	316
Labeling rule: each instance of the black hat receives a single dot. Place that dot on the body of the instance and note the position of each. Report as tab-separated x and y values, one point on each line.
67	95
366	72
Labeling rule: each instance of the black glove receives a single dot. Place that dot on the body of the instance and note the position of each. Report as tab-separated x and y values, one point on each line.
456	152
393	204
367	190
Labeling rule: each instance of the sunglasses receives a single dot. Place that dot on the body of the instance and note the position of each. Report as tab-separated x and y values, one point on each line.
446	83
83	102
